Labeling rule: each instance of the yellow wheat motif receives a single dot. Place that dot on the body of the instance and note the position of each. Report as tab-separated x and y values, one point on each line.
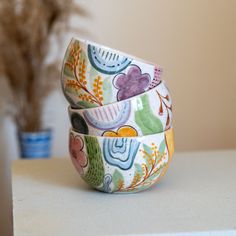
82	71
73	84
77	66
120	185
153	167
97	88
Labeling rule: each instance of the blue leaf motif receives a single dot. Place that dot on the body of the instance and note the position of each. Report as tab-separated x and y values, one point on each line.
120	152
106	183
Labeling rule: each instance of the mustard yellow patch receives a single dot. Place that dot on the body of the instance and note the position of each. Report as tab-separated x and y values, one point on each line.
169	135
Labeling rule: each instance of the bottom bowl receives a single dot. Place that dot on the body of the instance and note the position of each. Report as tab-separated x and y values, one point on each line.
121	164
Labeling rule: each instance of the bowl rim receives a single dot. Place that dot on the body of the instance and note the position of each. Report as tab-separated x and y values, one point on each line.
71	130
162	82
133	57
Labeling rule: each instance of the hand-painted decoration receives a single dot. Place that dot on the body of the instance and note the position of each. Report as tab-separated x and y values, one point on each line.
146	174
105	61
79	158
146	113
121	138
75	68
122	164
123	131
132	83
108	117
95	173
94	75
146	120
157	78
168	108
120	152
78	123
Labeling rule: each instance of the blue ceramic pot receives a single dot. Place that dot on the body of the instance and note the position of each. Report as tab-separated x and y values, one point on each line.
35	144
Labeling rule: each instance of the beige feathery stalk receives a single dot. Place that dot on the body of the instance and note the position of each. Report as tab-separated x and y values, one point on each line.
26	27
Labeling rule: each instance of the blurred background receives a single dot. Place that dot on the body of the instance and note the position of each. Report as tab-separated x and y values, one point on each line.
193	40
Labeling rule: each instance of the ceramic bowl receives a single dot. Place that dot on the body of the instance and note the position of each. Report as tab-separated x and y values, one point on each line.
144	114
121	164
94	75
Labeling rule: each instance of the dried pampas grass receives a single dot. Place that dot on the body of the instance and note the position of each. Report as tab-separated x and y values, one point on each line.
26	27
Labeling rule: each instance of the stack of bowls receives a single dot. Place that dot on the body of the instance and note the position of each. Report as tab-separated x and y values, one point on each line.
121	138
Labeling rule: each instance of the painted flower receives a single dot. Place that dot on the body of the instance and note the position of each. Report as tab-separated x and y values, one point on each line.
78	156
123	131
132	83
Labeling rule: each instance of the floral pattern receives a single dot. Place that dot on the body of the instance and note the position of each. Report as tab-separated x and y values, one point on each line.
146	174
78	156
123	131
76	82
132	83
122	164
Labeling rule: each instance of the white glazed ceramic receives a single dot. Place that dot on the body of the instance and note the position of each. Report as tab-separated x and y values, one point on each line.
94	75
121	164
144	114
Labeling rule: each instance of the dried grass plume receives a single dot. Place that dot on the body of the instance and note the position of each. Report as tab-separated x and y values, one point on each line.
26	27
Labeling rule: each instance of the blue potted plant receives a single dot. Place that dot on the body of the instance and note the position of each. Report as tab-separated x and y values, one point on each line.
26	32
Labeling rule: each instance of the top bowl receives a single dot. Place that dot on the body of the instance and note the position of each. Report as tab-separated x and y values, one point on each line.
94	75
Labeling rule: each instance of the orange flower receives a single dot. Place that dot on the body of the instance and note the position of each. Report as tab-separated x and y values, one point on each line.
123	131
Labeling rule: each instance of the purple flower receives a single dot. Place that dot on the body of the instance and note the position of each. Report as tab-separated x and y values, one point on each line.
132	83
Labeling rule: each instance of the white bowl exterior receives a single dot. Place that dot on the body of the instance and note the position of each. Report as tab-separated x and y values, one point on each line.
142	116
78	81
144	161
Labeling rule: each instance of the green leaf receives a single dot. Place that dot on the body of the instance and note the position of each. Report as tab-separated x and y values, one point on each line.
107	89
117	178
148	156
138	169
93	73
68	72
71	90
147	121
154	176
83	56
147	149
162	147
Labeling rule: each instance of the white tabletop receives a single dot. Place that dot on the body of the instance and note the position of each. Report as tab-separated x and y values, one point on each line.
197	196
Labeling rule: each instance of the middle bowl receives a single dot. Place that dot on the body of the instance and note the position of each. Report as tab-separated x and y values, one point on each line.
144	114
